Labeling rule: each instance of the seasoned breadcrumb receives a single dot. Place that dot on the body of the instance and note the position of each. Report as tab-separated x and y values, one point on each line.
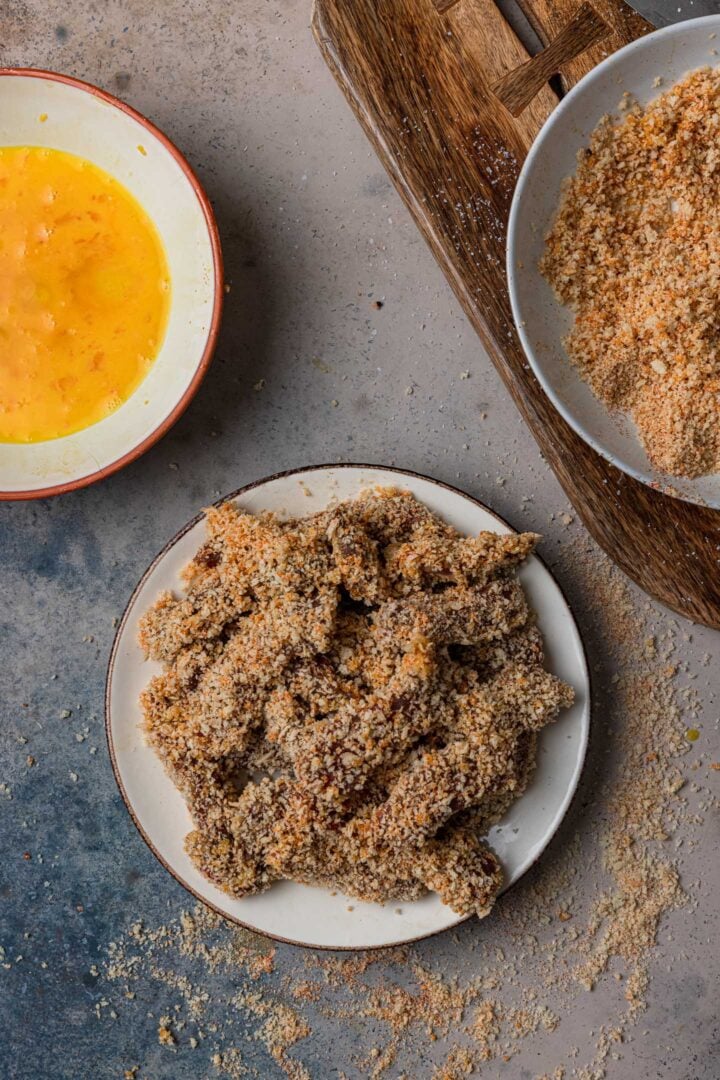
349	699
635	252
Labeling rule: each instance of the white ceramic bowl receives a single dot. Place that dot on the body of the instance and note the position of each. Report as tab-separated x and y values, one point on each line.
541	320
90	123
298	913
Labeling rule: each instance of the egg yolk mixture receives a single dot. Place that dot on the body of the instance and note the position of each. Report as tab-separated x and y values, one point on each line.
84	294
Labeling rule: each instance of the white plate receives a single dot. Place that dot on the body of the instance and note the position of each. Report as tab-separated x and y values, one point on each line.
86	121
298	913
541	320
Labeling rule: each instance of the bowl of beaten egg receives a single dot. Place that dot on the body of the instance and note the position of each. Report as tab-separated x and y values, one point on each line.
110	284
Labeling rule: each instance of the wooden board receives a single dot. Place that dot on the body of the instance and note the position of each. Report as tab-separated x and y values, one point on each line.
419	80
547	17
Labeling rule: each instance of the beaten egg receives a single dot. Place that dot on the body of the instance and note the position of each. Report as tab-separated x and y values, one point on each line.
84	293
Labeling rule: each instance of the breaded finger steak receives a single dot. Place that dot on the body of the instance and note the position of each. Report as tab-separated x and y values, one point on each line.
349	699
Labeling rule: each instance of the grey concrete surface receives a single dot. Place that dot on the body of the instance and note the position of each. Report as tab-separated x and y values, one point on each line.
312	233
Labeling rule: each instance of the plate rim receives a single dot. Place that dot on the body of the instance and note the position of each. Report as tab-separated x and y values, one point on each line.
218	287
659	480
282	474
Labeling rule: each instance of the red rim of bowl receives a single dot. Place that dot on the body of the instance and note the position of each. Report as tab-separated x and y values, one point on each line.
214	236
111	668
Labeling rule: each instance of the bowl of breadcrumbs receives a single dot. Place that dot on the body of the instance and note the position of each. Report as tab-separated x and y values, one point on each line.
348	706
614	259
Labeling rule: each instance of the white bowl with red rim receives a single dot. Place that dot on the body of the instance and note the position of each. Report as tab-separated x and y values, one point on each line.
43	108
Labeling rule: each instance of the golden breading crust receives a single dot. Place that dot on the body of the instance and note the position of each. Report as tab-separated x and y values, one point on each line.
349	700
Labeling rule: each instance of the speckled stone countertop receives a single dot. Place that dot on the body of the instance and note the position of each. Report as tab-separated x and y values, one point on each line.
308	370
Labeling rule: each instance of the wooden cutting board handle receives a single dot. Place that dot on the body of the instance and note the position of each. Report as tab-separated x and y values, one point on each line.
419	75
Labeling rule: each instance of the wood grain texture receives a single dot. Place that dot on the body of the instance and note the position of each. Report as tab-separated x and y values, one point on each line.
454	154
517	88
472	24
548	17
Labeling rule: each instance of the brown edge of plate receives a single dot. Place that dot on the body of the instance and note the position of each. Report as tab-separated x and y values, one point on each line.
111	664
219	279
